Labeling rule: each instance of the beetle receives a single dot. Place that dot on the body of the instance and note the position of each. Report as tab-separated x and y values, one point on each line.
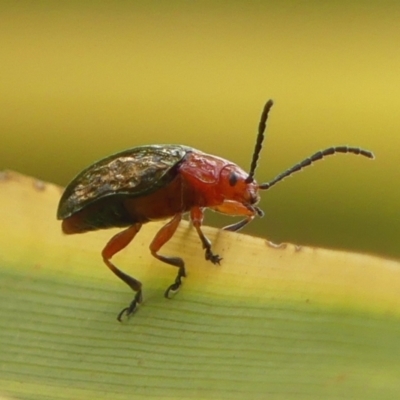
147	183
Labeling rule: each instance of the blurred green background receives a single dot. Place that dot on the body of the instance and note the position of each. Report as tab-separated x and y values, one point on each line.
81	80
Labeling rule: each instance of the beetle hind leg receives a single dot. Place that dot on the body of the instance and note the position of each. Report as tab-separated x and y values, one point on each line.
162	237
177	262
117	243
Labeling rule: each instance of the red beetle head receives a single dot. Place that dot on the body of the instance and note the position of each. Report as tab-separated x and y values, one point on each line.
236	187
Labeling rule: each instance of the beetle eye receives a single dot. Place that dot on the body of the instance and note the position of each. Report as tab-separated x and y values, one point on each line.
233	179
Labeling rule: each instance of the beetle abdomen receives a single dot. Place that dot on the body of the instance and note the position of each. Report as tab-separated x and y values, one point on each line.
103	214
121	210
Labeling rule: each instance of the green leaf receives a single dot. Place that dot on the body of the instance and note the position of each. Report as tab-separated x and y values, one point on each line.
272	322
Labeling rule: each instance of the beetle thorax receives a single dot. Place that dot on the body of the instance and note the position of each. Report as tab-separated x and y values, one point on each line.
215	180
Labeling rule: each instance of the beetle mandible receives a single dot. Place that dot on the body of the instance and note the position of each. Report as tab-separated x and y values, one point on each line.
147	183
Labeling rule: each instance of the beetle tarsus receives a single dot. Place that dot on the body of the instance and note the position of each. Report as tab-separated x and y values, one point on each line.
214	258
128	311
177	284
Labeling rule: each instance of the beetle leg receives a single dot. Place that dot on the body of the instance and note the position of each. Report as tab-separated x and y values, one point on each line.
116	244
197	216
235	208
238	225
162	237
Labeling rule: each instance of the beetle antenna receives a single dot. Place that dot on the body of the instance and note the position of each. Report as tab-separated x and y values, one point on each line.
260	138
319	155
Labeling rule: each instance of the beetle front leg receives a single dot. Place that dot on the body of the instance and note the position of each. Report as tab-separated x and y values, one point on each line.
197	216
116	244
162	237
236	209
